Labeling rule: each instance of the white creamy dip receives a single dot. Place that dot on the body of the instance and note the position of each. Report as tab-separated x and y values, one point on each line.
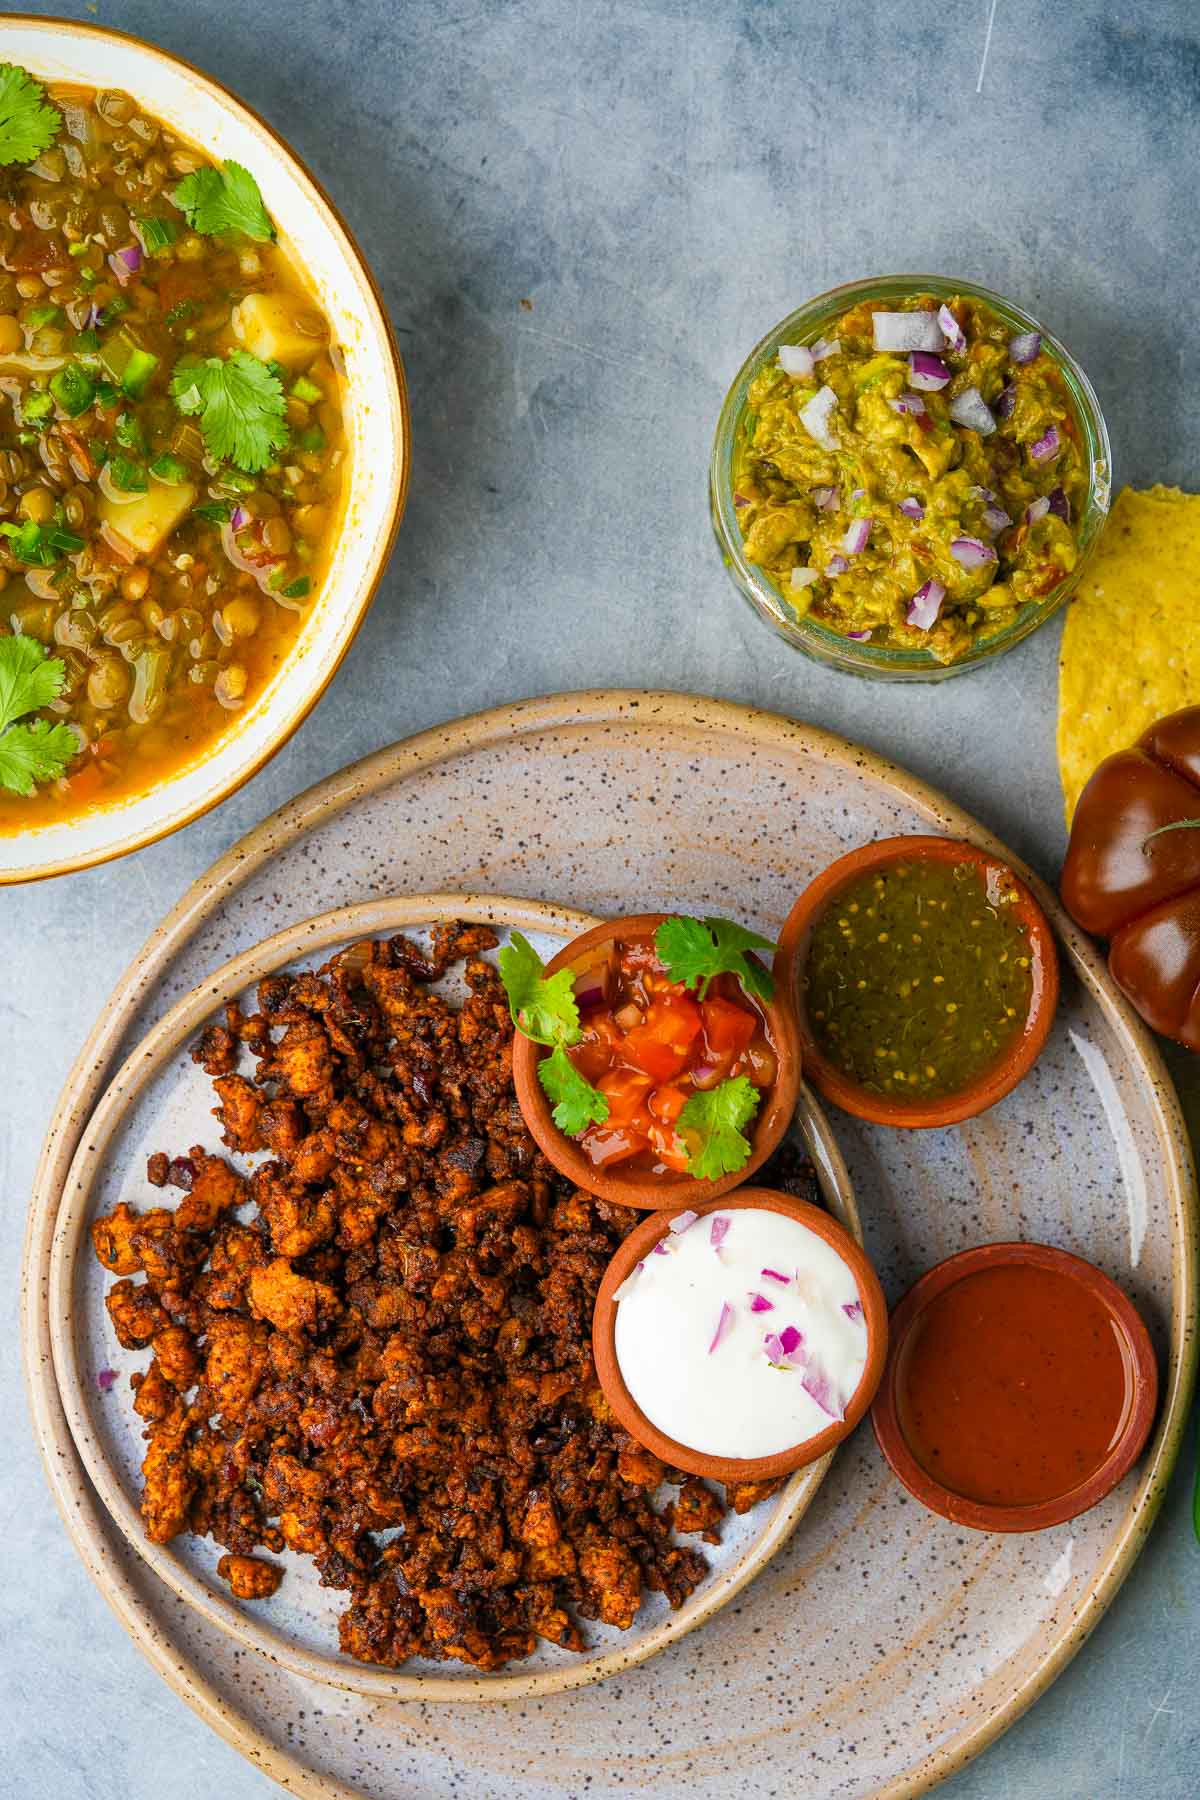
743	1335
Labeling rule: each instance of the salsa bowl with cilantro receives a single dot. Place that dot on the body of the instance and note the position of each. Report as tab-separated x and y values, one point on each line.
203	445
908	476
652	1062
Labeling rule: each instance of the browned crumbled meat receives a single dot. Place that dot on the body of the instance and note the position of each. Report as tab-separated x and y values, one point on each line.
376	1351
250	1577
742	1495
698	1509
158	1166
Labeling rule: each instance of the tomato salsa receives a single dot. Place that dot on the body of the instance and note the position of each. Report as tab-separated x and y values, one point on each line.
1014	1385
649	1044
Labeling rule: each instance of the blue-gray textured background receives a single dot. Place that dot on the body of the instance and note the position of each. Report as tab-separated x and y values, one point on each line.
662	181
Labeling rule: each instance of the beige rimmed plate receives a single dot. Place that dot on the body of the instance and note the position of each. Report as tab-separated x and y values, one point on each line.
880	1649
159	1099
377	430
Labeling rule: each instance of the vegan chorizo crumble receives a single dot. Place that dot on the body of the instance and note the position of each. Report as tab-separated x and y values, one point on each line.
375	1350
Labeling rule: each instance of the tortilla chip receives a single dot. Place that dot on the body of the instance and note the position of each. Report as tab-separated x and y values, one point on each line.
1131	645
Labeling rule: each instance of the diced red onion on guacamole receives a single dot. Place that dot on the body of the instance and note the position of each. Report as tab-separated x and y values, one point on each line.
971	552
855	540
911	508
907	331
816	416
802	578
971	409
956	337
826	498
825	347
1047	446
1026	347
1006	401
925	605
796	359
1037	509
996	519
860	637
837	565
908	403
1058	504
928	372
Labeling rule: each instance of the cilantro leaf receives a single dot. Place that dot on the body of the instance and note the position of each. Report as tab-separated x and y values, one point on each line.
577	1103
542	1008
692	951
40	545
35	752
240	404
29	124
225	199
714	1117
29	677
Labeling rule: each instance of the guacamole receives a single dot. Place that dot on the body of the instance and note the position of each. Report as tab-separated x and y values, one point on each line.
917	978
914	478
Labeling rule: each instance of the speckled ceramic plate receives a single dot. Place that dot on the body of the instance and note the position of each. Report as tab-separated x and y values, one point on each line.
881	1648
159	1099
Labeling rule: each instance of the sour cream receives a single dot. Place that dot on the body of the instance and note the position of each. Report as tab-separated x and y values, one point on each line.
742	1335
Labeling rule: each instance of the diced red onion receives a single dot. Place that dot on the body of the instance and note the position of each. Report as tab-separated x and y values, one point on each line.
804	577
796	359
1026	347
724	1321
857	494
718	1229
825	347
709	1075
925	605
620	1292
955	336
1006	401
760	1303
826	498
912	508
774	1275
971	552
928	372
909	403
860	637
239	518
971	409
662	1248
907	331
740	500
995	518
857	537
125	263
773	1347
837	565
816	416
980	493
1047	446
683	1222
817	1383
105	1379
1059	505
791	1339
594	987
853	1309
1037	509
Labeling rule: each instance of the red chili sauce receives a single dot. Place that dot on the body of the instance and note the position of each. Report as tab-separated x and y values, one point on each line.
649	1044
1013	1386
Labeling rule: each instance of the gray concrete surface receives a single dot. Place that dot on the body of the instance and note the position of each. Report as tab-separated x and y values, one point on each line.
662	180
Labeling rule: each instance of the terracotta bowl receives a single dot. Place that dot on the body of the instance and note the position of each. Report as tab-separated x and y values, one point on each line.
771	1121
1141	1363
640	1243
996	1081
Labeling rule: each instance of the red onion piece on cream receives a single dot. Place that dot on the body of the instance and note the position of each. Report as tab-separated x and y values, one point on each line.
760	1303
724	1321
791	1337
774	1275
816	1381
718	1229
683	1221
853	1309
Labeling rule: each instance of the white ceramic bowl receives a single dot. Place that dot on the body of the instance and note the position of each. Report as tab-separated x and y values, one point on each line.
377	428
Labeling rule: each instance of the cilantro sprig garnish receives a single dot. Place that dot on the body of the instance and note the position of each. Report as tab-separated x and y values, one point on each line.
225	199
543	1009
41	546
715	1116
29	123
33	750
693	951
240	404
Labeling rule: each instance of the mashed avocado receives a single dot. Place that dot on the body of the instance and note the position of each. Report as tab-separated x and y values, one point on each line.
914	478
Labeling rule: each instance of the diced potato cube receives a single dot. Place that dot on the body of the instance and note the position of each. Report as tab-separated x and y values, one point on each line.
266	325
139	527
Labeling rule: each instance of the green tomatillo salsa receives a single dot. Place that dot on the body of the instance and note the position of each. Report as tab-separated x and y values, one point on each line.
918	977
914	478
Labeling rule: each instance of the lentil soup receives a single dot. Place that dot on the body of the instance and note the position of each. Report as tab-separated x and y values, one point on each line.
172	455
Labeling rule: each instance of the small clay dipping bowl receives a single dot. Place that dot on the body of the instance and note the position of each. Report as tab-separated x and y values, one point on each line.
1020	1051
1053	1373
636	1188
640	1244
